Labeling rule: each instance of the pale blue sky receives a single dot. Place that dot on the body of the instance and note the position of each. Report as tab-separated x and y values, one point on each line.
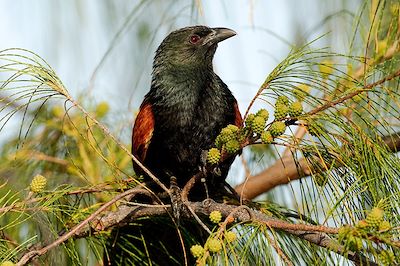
73	36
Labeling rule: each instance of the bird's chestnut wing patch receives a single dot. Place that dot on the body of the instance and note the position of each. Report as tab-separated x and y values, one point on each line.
238	116
142	131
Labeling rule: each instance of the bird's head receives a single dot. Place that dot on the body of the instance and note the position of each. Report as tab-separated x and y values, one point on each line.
191	47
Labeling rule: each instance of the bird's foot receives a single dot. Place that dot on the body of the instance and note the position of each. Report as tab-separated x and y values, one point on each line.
208	171
176	199
217	171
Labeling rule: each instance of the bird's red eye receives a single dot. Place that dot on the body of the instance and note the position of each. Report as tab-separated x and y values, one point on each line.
194	38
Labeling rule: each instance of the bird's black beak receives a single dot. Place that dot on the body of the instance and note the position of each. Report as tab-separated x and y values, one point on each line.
218	35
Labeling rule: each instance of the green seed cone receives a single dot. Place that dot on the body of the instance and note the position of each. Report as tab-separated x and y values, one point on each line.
215	216
232	146
249	120
282	99
226	135
281	111
233	128
214	245
266	137
375	217
38	184
258	125
263	113
277	128
197	251
295	109
213	156
386	257
230	236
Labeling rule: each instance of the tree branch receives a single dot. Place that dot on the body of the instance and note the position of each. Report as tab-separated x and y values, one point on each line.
315	234
312	233
281	172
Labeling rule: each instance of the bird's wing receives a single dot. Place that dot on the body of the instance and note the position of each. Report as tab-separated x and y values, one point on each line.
238	116
142	131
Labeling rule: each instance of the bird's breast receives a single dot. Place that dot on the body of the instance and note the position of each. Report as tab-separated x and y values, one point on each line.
190	116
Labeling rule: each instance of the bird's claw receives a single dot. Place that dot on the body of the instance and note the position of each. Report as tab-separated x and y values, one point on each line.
203	170
217	171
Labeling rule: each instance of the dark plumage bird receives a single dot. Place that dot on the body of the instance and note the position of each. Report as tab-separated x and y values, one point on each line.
179	119
186	107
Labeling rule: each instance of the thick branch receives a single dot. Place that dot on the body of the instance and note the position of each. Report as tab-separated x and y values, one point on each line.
317	235
281	172
392	142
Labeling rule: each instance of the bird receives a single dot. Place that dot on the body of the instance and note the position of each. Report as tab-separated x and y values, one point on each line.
179	119
187	106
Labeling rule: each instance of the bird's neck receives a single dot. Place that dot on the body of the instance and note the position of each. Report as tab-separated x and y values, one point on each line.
182	79
178	93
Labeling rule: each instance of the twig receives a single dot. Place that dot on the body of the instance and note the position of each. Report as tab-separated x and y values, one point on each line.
278	224
189	185
185	193
230	217
278	250
260	90
198	219
356	92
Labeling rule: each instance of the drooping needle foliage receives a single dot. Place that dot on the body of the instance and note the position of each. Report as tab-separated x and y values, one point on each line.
330	119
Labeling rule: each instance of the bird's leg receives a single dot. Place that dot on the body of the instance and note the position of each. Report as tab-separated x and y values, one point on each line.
203	169
204	181
215	171
176	198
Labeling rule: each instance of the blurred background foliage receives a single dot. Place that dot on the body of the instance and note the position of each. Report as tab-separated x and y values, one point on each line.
102	52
